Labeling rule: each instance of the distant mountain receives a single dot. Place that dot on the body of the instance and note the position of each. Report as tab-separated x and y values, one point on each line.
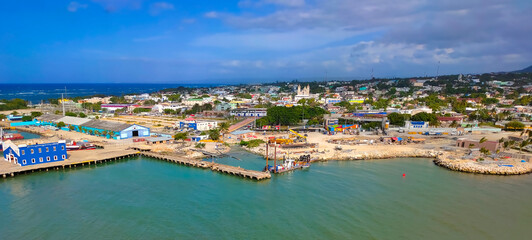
526	70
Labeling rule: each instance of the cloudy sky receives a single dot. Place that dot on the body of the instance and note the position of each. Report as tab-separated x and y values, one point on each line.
258	40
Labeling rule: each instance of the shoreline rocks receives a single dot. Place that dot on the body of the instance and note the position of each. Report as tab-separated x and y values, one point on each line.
440	159
470	166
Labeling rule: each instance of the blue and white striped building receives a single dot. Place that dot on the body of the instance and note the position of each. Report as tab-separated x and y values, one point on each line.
24	155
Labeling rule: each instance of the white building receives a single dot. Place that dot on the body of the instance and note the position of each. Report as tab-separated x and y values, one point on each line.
249	112
161	107
200	125
194	101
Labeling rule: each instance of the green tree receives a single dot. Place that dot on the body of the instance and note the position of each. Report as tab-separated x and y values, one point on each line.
224	126
174	97
489	101
36	114
214	134
61	124
426	117
82	115
200	145
523	144
181	136
397	119
515	125
485	151
149	102
27	118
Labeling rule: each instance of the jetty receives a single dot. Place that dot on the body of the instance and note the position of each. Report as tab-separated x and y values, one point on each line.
217	167
210	154
99	156
75	159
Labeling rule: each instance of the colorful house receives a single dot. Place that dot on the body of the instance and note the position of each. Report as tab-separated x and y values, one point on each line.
24	155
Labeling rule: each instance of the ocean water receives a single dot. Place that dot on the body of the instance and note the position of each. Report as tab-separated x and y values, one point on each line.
26	135
37	92
142	198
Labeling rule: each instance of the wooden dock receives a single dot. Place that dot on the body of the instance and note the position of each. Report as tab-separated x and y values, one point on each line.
75	159
93	157
236	171
211	154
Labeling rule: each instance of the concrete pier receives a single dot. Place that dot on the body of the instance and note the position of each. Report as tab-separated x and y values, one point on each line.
89	157
236	171
75	159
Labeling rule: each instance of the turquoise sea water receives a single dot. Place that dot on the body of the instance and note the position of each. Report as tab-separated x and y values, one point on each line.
26	135
143	198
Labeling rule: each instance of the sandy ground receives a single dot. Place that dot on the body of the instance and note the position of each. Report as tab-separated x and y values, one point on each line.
354	148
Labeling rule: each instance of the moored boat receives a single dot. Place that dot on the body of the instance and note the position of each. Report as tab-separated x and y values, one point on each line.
290	164
12	136
73	145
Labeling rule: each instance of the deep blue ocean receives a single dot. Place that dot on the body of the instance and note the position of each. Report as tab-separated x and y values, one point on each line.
37	92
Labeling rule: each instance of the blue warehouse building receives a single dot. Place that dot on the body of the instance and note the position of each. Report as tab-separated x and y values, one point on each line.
101	128
24	155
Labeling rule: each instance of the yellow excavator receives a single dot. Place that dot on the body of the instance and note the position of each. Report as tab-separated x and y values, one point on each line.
297	136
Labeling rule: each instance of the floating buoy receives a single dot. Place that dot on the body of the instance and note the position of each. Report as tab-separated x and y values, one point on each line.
404	174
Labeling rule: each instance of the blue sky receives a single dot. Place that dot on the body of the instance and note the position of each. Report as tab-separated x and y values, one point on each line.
258	40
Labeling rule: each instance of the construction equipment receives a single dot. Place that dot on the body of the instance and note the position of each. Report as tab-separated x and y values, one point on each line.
297	134
416	140
281	141
298	137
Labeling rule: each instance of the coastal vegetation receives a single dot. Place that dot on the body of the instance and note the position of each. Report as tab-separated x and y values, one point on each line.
292	115
12	104
251	143
181	136
515	125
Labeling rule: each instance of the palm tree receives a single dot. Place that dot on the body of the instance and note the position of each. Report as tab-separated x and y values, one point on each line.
224	126
523	144
482	140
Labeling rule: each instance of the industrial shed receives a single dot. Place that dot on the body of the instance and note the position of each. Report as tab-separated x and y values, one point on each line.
119	130
102	128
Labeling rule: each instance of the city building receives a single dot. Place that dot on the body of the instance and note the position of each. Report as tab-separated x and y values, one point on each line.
194	101
24	155
249	112
413	125
491	146
200	125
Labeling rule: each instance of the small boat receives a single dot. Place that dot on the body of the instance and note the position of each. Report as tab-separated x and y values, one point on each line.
290	164
12	136
72	146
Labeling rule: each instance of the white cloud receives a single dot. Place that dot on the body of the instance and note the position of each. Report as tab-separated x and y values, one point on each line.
268	40
158	7
149	39
211	14
188	20
286	3
75	6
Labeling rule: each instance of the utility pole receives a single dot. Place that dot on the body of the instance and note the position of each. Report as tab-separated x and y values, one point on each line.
438	71
275	157
63	103
267	155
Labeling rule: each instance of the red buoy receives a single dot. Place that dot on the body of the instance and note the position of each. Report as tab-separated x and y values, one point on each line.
404	174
